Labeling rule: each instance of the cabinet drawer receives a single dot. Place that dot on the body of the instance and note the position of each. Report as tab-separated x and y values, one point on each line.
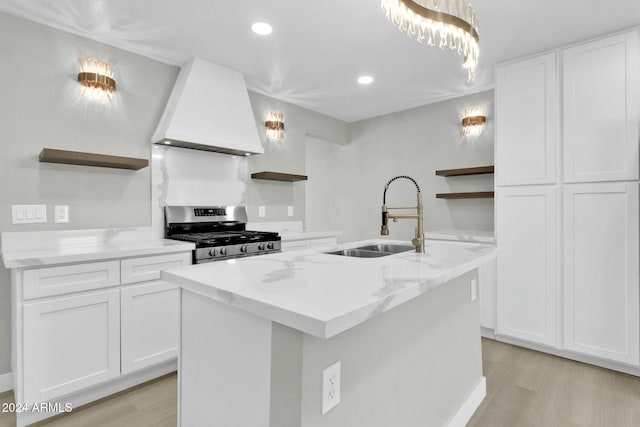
148	268
50	281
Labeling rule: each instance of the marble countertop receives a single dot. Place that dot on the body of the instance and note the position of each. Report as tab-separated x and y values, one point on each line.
471	236
323	294
23	249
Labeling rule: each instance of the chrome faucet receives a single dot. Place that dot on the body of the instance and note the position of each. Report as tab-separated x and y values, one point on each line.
418	240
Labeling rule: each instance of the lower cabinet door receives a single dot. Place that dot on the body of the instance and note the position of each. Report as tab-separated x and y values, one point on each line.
70	343
526	231
601	256
150	324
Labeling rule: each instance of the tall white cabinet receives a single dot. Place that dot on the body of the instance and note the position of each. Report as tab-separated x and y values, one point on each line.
567	209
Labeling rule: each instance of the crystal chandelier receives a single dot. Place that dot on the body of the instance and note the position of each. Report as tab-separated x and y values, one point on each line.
454	22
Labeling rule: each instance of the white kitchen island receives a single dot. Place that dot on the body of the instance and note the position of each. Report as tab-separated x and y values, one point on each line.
257	333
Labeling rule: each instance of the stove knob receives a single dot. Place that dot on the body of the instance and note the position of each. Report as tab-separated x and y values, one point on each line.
270	245
223	251
213	252
243	248
261	246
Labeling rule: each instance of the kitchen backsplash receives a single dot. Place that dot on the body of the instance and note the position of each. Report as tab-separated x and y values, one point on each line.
181	176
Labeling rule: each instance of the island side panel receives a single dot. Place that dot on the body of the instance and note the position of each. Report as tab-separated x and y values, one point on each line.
415	365
225	365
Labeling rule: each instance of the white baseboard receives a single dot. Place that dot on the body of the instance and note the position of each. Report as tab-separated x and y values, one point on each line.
472	402
6	382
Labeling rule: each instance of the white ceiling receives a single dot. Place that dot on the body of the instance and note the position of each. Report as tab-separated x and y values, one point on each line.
319	47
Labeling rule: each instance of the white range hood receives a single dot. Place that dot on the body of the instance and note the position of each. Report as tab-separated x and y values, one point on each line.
209	109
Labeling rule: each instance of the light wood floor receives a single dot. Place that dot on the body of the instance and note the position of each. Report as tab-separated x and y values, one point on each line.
524	388
528	388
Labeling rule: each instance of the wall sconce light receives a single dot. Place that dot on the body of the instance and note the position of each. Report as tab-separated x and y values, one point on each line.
97	80
275	126
473	121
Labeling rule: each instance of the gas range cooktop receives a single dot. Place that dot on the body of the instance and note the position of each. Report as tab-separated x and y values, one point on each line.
218	232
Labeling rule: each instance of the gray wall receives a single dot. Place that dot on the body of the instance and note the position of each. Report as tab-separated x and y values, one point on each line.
286	155
412	366
348	180
41	107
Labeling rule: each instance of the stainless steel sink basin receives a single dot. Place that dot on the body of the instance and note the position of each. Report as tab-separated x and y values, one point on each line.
358	253
373	251
388	248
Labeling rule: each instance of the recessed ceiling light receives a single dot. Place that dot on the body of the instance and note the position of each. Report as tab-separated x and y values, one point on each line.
261	28
365	80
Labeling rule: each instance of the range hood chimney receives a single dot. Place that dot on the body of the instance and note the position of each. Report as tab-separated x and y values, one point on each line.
209	110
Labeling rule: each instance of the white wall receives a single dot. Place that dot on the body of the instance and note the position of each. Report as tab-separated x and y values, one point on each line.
347	181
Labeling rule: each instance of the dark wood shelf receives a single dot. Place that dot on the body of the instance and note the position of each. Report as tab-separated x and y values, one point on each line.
50	155
480	170
473	195
278	176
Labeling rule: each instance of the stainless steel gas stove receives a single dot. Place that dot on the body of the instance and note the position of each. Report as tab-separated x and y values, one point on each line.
219	232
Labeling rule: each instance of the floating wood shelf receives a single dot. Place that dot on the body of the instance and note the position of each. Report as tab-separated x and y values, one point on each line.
473	195
278	176
50	155
465	171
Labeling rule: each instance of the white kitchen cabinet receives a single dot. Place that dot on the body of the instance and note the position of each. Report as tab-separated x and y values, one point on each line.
70	343
527	264
601	298
85	330
527	121
600	109
150	324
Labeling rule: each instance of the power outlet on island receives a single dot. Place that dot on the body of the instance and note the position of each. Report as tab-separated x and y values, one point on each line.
330	387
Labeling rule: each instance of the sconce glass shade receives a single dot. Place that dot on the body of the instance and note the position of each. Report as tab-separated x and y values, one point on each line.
473	122
97	80
275	126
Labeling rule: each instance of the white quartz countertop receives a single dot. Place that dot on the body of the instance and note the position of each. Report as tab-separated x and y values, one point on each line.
471	236
323	294
35	248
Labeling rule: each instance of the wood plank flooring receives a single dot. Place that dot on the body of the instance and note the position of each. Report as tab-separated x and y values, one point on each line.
528	388
153	404
524	388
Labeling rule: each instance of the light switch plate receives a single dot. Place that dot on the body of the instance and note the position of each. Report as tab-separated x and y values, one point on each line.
474	289
290	210
262	211
28	214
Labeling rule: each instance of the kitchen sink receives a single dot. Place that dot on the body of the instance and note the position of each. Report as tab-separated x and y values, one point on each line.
373	251
358	253
388	248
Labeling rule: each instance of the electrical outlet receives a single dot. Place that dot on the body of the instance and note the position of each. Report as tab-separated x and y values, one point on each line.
61	214
330	387
290	210
262	211
474	290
